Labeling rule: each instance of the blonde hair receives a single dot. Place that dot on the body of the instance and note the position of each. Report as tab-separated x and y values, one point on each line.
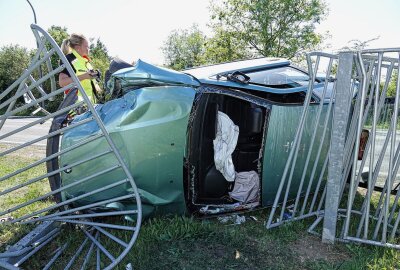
71	42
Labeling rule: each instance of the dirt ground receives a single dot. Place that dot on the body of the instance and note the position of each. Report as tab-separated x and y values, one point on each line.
311	248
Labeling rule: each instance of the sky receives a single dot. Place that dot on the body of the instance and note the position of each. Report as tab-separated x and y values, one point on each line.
133	29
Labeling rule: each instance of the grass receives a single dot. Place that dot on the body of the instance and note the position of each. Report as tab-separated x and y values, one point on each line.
188	243
25	193
12	233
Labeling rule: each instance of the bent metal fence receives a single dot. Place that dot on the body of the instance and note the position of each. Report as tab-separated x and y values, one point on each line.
308	157
357	198
369	215
79	224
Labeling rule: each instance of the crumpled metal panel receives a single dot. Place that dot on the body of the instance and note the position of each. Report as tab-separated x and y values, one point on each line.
146	74
148	126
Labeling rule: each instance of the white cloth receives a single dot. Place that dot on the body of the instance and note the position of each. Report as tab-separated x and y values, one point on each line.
246	189
224	145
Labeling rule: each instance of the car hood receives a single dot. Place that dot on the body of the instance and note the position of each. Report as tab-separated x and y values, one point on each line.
144	74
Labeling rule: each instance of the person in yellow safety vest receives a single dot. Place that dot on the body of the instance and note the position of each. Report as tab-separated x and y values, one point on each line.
76	50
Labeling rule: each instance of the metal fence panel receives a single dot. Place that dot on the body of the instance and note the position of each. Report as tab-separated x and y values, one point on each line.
371	215
70	228
308	154
358	198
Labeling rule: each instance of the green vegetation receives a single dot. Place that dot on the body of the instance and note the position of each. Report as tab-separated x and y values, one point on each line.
188	243
25	193
12	233
248	29
184	48
14	59
391	92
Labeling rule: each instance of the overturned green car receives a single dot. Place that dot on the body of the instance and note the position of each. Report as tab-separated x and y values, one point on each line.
208	140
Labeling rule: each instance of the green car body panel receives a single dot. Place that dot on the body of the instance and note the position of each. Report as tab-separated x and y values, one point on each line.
149	126
282	129
155	160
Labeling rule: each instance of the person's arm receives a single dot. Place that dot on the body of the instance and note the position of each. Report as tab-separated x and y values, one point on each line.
64	79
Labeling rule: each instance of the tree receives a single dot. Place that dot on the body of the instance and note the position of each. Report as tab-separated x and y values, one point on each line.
278	28
184	48
225	46
99	55
14	59
391	91
58	33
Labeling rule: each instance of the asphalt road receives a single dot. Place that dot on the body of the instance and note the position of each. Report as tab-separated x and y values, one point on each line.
26	135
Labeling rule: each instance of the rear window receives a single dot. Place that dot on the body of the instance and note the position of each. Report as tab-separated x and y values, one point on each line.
284	77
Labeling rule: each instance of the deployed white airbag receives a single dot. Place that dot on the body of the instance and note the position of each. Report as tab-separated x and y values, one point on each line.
224	145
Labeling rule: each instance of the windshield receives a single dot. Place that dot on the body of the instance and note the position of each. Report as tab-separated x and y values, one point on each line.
284	77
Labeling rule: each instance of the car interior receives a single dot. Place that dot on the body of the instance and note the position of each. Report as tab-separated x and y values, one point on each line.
209	186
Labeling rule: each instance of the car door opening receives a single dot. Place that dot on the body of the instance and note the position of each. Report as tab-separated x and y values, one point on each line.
208	190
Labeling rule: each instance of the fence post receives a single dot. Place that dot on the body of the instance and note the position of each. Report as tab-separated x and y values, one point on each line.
339	127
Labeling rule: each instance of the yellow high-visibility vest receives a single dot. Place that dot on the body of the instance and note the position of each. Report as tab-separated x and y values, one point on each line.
81	66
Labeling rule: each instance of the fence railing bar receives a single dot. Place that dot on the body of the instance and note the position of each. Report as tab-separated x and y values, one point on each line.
351	153
90	251
373	139
312	142
381	155
393	143
360	116
273	225
57	254
93	215
12	103
65	150
24	76
382	196
41	120
66	187
381	50
53	234
98	255
298	139
380	207
77	253
100	246
102	225
351	137
317	188
381	104
37	101
36	179
33	85
49	135
109	235
321	202
314	169
39	87
373	181
100	203
371	242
